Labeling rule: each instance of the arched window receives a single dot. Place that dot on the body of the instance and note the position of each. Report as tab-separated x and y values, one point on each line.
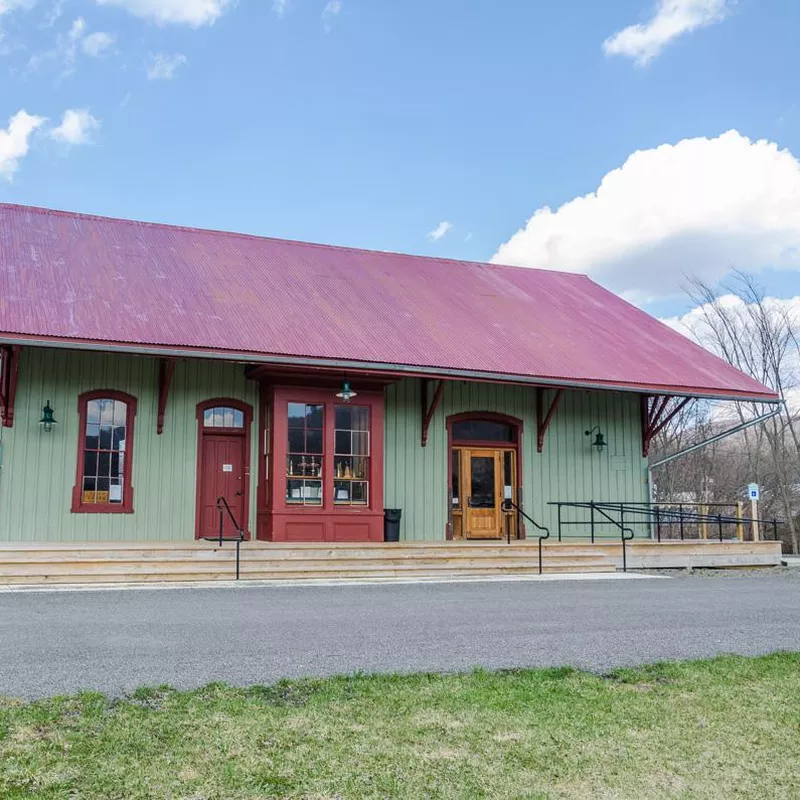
105	453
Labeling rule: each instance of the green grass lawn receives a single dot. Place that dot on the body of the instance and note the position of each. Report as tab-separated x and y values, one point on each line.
726	728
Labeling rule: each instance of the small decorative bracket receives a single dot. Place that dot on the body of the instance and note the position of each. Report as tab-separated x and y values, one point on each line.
543	419
166	369
429	410
655	417
9	372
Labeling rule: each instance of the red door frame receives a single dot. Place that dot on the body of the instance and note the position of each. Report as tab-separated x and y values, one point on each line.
247	410
516	445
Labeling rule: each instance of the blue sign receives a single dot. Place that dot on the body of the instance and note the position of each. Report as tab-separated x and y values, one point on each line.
752	491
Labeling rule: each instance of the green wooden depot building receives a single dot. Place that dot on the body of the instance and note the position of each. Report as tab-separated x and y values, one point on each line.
146	371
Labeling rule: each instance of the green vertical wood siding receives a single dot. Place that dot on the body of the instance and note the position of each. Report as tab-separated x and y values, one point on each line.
568	469
38	468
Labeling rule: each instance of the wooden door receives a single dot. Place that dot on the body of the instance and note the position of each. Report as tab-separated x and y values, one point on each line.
484	494
222	474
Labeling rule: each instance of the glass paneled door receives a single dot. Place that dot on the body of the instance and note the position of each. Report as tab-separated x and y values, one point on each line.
482	479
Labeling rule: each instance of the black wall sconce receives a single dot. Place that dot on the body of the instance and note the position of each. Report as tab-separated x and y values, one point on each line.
599	440
48	420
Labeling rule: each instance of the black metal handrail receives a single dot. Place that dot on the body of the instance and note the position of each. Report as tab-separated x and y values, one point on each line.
223	508
624	539
511	504
656	515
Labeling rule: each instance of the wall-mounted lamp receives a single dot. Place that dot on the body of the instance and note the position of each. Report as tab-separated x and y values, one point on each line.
599	440
347	394
48	420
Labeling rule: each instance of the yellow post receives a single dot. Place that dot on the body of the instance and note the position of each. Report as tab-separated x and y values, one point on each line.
739	523
704	523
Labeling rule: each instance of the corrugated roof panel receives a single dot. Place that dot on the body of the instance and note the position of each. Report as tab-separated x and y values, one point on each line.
74	276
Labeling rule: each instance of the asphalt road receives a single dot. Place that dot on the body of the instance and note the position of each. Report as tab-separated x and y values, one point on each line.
114	641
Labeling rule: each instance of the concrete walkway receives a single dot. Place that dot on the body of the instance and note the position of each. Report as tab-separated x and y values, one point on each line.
114	641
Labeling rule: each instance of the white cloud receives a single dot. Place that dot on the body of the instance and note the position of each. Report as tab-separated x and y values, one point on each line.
76	127
698	208
442	229
98	44
65	50
672	19
15	141
7	6
468	237
162	67
331	10
187	12
54	14
280	6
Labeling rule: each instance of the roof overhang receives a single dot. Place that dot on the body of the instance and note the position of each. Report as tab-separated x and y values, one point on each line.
377	368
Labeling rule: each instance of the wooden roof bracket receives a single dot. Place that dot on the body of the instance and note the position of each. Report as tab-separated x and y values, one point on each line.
543	419
654	419
9	373
429	410
166	369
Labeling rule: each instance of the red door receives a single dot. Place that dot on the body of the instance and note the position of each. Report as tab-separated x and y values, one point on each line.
222	474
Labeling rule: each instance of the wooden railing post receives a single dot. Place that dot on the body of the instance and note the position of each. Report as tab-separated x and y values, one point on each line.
739	523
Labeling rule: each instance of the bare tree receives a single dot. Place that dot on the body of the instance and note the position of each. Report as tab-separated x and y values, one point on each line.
759	336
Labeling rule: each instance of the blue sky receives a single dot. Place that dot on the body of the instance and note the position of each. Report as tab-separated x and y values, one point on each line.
374	124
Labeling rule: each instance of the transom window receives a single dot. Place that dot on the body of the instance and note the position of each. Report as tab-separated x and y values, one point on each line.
105	451
483	430
223	417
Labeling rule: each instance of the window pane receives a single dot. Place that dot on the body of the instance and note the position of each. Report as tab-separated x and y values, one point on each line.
314	416
238	419
483	430
120	413
360	444
92	436
456	484
359	493
314	441
90	463
360	418
297	441
105	437
343	443
482	493
93	412
343	417
297	415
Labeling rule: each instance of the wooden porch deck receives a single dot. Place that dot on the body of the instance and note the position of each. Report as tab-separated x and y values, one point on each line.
162	562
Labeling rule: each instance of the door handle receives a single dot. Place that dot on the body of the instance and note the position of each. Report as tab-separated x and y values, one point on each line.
238	494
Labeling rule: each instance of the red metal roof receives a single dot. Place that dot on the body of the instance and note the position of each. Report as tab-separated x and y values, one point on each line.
77	277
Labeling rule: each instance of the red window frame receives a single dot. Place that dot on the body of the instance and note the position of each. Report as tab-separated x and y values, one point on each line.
126	506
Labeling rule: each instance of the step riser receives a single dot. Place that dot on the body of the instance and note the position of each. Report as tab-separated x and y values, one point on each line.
296	576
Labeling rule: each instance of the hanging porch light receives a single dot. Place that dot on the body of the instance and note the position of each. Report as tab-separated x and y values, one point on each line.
347	394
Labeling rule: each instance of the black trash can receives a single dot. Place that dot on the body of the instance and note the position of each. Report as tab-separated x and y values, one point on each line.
391	524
